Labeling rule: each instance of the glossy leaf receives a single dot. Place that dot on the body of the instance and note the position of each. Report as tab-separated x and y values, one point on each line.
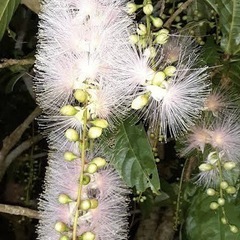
7	8
133	158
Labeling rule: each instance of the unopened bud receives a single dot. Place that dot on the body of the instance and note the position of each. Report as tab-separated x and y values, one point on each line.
94	132
64	238
161	39
157	22
170	70
233	229
61	227
85	205
68	110
91	168
80	95
133	38
69	156
223	185
213	205
88	236
159	77
100	162
231	190
224	220
63	198
102	123
86	180
211	192
229	165
142	29
221	201
205	167
148	9
139	102
72	135
94	203
131	8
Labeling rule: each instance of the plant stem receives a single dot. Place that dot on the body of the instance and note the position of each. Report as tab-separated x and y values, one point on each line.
83	156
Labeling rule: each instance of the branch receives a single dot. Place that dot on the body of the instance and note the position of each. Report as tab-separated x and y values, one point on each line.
20	149
4	63
168	23
33	5
10	141
17	210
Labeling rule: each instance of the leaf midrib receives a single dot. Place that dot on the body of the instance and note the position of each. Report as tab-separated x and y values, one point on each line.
4	9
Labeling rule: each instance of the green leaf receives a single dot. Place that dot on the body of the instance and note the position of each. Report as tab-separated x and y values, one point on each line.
202	223
229	22
133	158
7	8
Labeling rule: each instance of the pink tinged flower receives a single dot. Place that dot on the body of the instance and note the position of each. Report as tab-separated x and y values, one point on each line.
225	135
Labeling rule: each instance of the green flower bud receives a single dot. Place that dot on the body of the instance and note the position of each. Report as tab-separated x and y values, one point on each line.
68	110
94	132
213	205
224	220
94	203
131	8
157	22
88	236
64	238
61	227
231	190
170	70
72	135
80	95
142	29
91	168
102	123
63	199
148	9
100	162
139	102
163	31
85	205
211	192
159	77
133	38
161	39
233	229
69	156
86	180
221	201
229	165
205	167
223	185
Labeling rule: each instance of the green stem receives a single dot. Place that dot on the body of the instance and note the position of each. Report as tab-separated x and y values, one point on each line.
83	156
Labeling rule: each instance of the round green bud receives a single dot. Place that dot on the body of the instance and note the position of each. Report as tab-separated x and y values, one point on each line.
68	110
205	167
142	29
69	156
231	190
91	168
213	205
170	71
161	39
163	31
88	236
86	180
158	79
221	201
133	38
139	102
100	162
94	203
157	22
131	8
85	205
61	227
223	185
229	165
72	135
211	192
233	229
63	198
102	123
64	238
148	9
94	132
224	220
80	95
